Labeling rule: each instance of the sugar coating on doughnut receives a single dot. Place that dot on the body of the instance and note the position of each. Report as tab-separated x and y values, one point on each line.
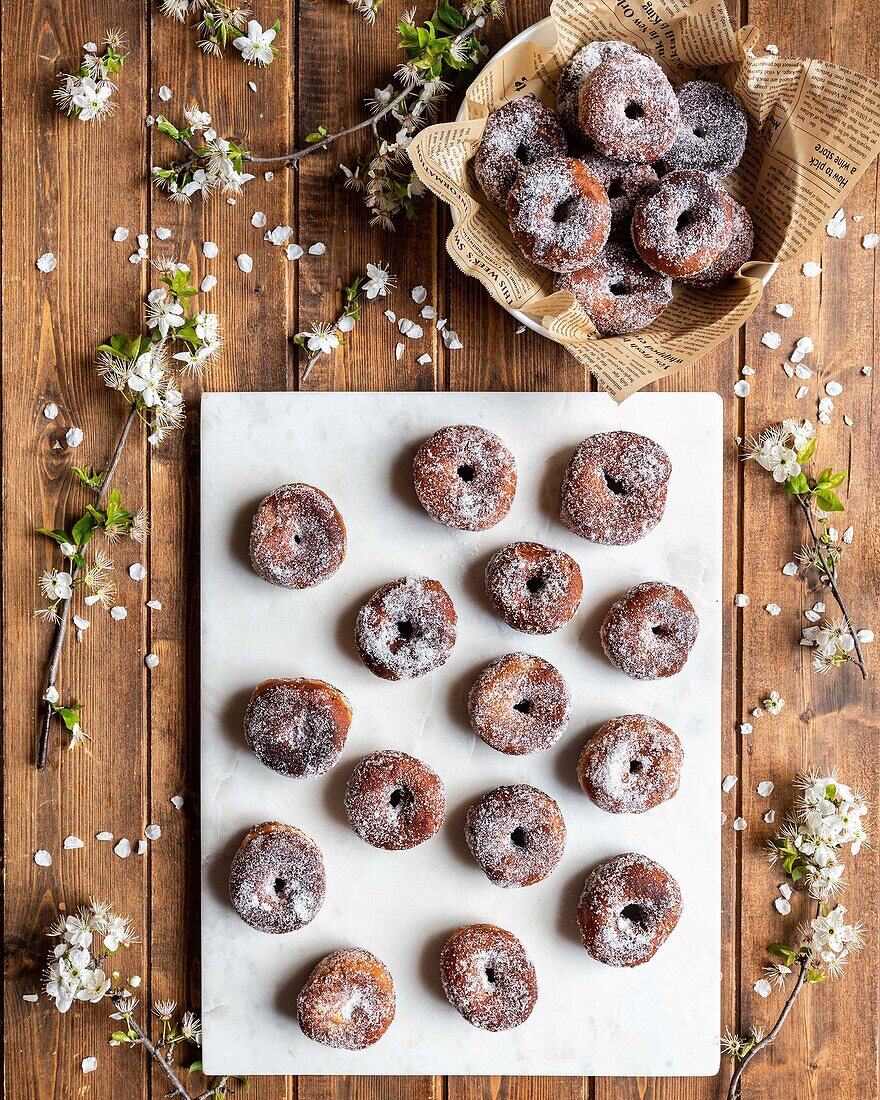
683	224
517	134
297	727
519	704
628	109
624	183
618	291
738	252
406	629
712	132
297	537
559	213
614	489
629	907
534	588
488	977
516	834
348	1000
649	632
277	881
577	71
465	477
394	801
632	764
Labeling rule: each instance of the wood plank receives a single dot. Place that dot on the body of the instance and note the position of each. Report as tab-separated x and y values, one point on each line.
832	1034
253	309
53	324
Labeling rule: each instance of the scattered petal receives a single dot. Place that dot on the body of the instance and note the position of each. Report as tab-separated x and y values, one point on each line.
141	847
123	848
120	233
741	599
811	269
418	294
177	801
870	240
279	235
42	858
164	93
80	623
252	85
143	240
802	371
47	262
789	370
245	263
865	636
748	371
773	609
50	411
790	568
294	251
258	219
89	1065
785	890
137	572
71	842
118	613
31	998
428	312
728	783
162	233
867	370
424	359
210	250
742	388
103	836
812	616
802	392
783	906
765	788
207	284
154	605
739	823
398	351
771	340
152	832
317	249
833	389
745	728
134	981
784	309
151	660
74	437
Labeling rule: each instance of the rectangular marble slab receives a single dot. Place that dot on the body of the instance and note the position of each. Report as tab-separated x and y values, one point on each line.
658	1019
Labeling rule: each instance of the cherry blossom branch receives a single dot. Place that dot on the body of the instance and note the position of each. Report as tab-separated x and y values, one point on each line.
64	618
829	575
178	1088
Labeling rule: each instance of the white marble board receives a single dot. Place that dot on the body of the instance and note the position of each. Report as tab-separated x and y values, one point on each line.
658	1019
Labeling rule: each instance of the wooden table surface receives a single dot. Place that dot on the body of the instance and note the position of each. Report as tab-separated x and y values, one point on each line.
66	186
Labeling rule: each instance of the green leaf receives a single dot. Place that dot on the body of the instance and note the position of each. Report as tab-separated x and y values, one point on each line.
120	1037
57	535
797	873
816	976
806	452
450	16
834	480
317	135
83	529
797	484
828	501
196	1066
782	950
166	127
90	477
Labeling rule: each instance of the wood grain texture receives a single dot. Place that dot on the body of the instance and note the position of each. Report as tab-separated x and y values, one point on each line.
59	195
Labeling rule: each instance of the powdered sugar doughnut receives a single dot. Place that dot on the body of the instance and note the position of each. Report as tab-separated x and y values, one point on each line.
559	213
519	704
712	132
614	489
618	292
624	183
516	834
632	764
394	801
406	629
682	225
534	588
733	257
517	134
277	882
577	71
629	110
297	537
465	477
488	977
650	631
347	1001
629	907
297	727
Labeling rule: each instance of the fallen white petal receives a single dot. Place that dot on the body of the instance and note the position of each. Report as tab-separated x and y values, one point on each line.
123	849
137	572
50	411
742	388
71	842
209	250
404	325
770	816
42	858
740	823
163	233
143	240
785	310
80	623
790	568
155	605
865	636
252	85
771	340
745	728
390	314
31	998
783	906
118	613
120	233
207	284
867	370
785	890
741	599
294	251
802	392
870	240
152	832
103	836
811	269
177	801
164	93
765	788
429	312
728	783
47	262
812	616
245	263
424	359
258	219
418	294
848	420
748	371
345	324
803	371
398	351
141	847
89	1065
414	332
151	660
773	609
833	389
789	370
317	249
74	437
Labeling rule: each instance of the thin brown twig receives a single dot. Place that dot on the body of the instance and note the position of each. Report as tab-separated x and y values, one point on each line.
61	627
178	1088
829	574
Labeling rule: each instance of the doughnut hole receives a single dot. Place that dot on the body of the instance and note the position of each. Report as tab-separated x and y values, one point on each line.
519	838
524	706
400	798
406	629
634	110
466	472
636	767
635	913
536	584
615	485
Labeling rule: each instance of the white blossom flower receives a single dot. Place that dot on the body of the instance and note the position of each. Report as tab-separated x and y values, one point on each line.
118	933
147	378
190	1028
256	45
78	929
378	281
94	985
91	99
322	339
77	736
164	1009
163	312
774	703
196	117
56	585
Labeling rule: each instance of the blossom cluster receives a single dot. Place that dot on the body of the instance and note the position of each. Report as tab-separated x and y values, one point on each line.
140	368
324	338
86	94
833	642
223	21
212	163
828	817
76	970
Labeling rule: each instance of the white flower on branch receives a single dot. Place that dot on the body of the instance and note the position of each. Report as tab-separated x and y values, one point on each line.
378	281
256	46
322	340
196	117
56	585
163	312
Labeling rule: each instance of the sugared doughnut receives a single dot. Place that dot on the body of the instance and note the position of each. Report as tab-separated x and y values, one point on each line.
683	224
628	109
534	588
297	537
624	183
632	764
577	71
614	489
712	132
277	881
488	977
559	213
519	704
297	727
406	629
465	477
650	631
516	834
618	292
734	256
629	907
347	1001
517	134
394	801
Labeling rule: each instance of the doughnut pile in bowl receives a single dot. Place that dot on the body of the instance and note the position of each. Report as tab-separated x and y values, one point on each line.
619	192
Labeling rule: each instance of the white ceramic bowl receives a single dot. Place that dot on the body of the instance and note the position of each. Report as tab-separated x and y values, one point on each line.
543	33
